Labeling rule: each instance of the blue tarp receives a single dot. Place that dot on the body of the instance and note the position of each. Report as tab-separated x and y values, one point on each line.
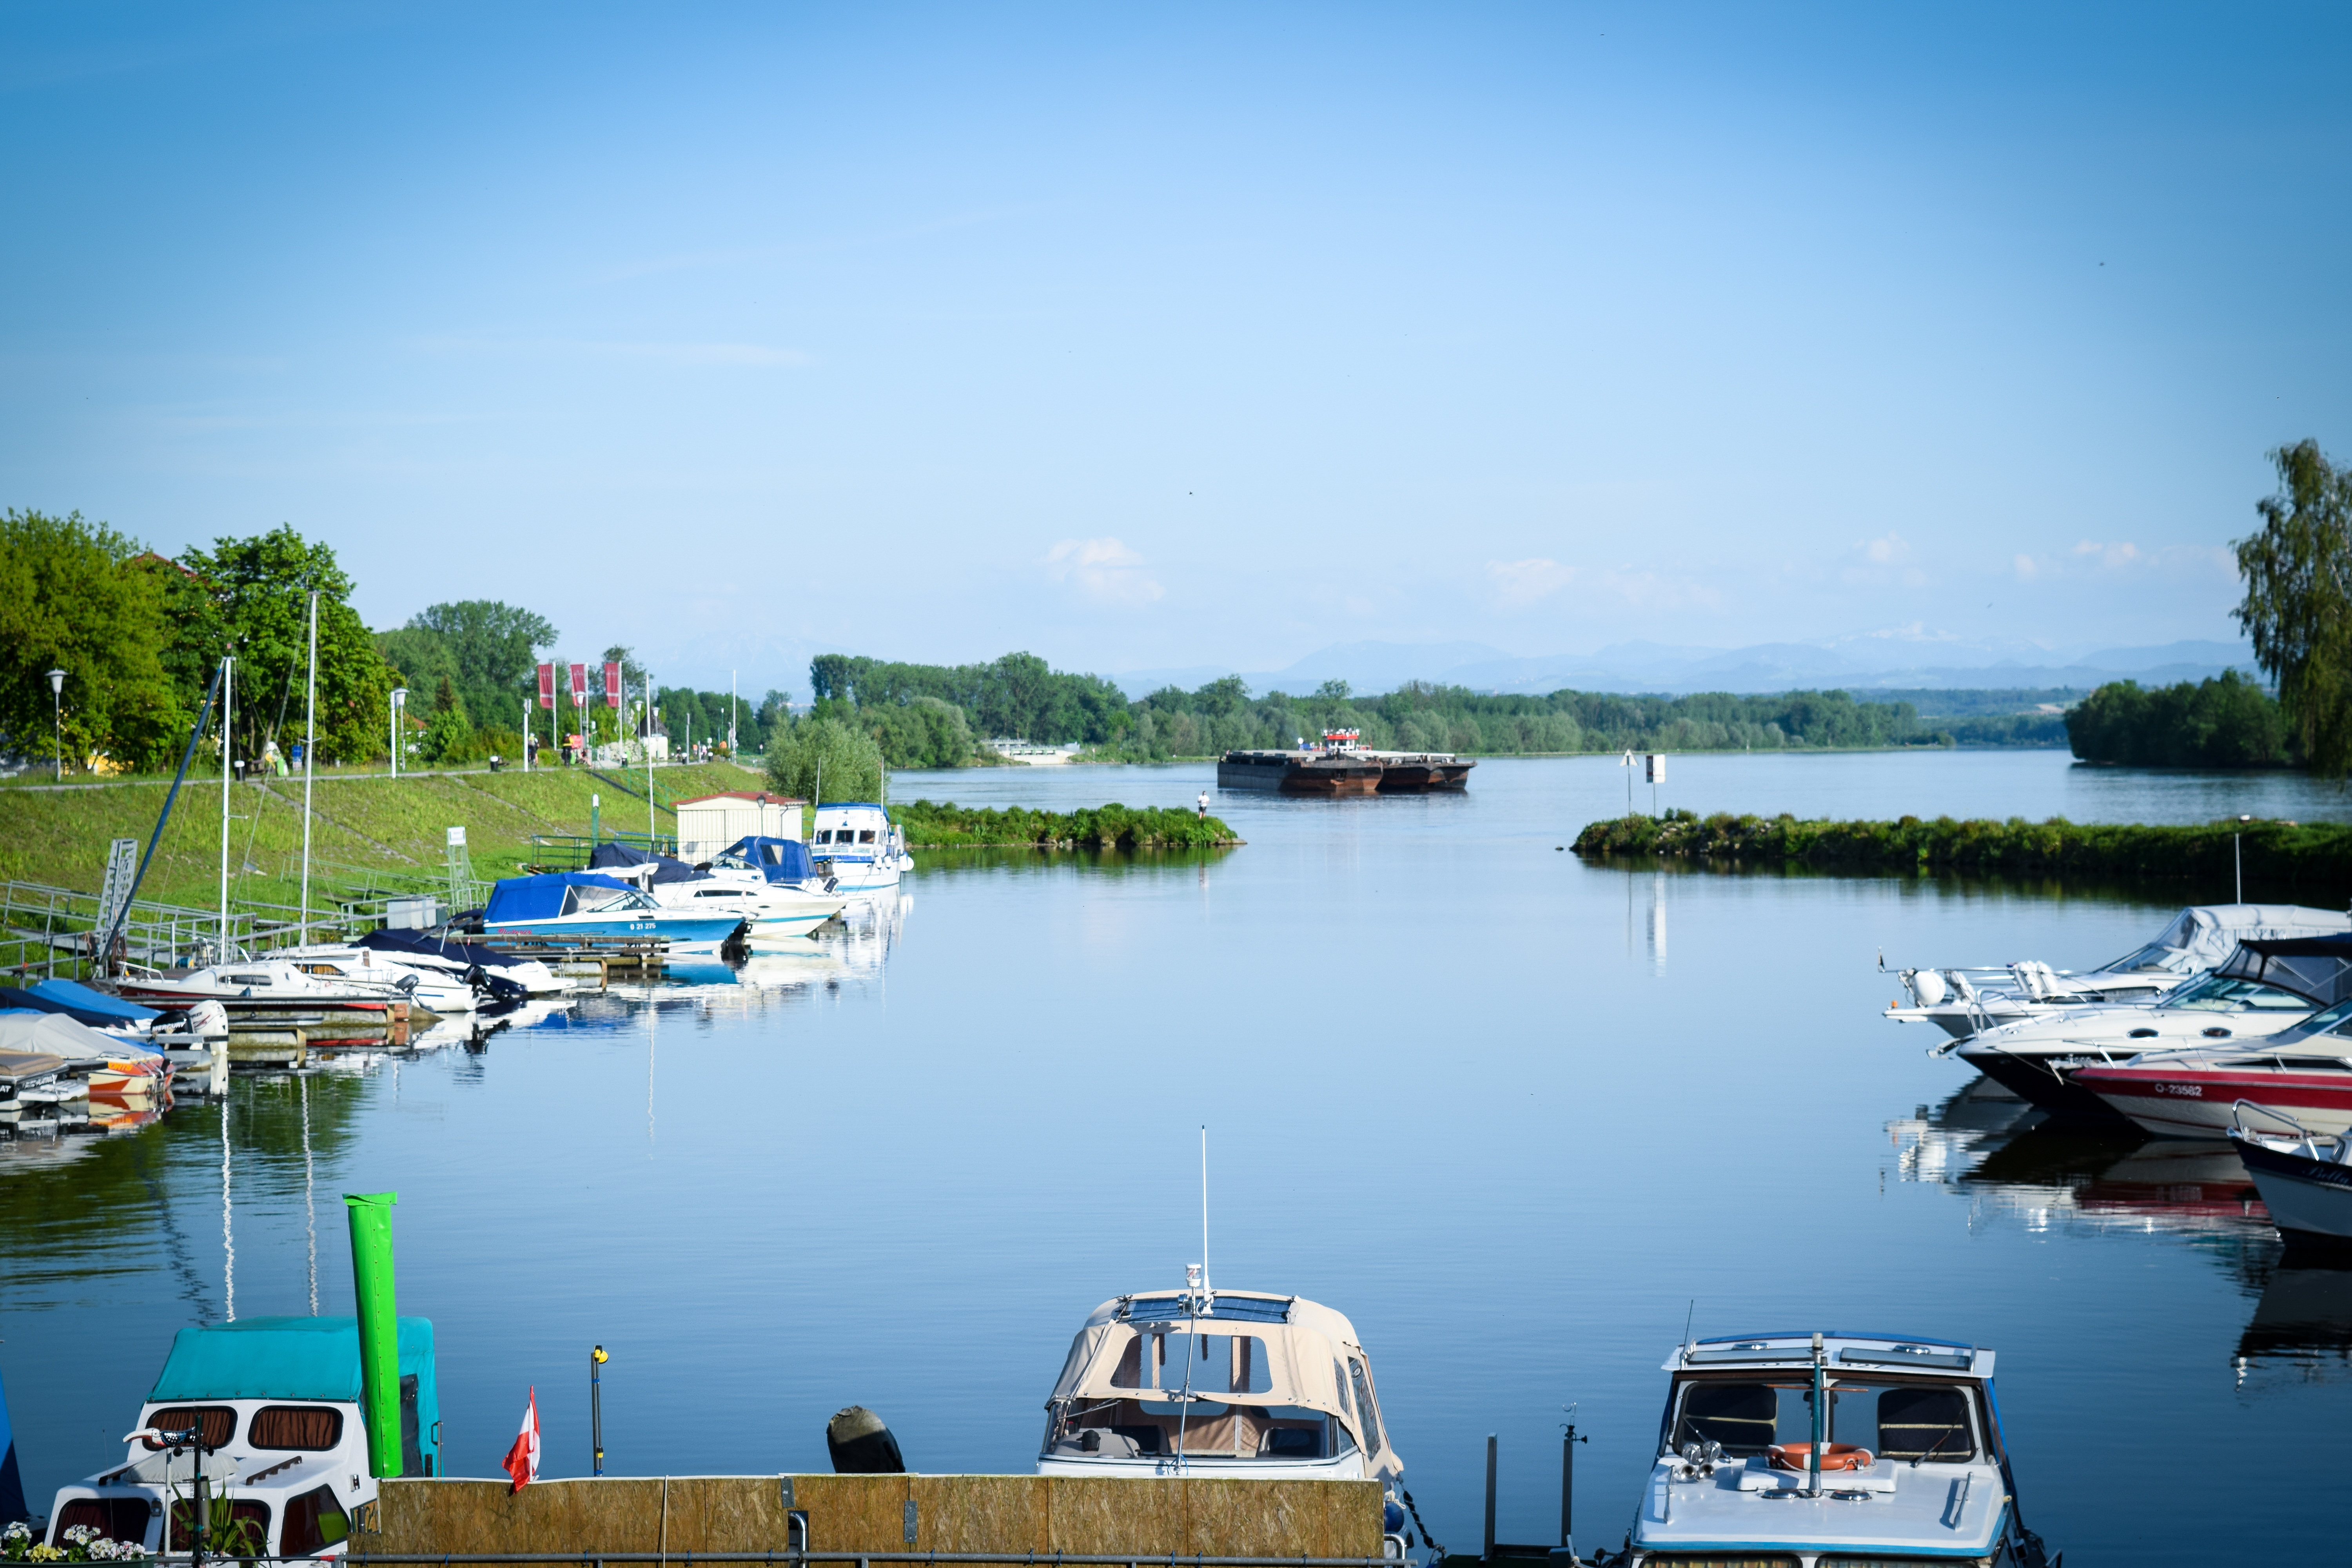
292	1358
781	859
74	1000
18	1001
538	898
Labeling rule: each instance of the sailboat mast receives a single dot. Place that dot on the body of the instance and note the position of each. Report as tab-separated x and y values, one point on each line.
309	763
228	744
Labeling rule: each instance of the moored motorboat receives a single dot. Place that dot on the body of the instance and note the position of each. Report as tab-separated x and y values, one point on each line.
2266	989
1806	1449
859	847
773	908
1964	1000
264	985
2193	1094
269	1409
577	906
2304	1175
1234	1384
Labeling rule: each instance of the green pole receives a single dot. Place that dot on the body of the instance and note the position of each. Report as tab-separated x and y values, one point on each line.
371	1281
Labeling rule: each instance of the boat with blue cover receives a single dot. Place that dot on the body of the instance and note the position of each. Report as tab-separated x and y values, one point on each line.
1811	1450
561	906
277	1411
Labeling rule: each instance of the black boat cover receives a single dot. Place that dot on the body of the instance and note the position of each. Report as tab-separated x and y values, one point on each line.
666	868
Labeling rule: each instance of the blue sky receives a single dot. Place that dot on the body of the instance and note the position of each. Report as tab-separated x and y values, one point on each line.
1202	336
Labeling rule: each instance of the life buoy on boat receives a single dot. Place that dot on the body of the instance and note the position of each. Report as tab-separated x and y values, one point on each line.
1835	1456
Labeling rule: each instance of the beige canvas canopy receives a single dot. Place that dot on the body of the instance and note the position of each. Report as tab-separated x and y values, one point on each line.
1248	1350
24	1030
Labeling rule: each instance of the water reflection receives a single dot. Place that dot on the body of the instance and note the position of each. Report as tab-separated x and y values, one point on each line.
2302	1327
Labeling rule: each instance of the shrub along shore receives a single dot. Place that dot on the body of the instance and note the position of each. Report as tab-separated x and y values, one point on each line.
947	826
2276	853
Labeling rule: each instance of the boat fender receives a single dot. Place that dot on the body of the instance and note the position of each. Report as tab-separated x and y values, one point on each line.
1835	1456
861	1445
1392	1517
1927	986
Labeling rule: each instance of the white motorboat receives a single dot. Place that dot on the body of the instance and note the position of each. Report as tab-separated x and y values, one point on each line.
1220	1383
453	955
1964	1001
1814	1450
435	985
270	984
2266	989
756	886
859	847
2304	1175
591	906
269	1409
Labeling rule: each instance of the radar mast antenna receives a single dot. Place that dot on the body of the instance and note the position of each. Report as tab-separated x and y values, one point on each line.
1206	1288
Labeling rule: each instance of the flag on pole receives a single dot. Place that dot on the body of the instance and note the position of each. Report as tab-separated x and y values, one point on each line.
522	1460
546	686
612	683
579	684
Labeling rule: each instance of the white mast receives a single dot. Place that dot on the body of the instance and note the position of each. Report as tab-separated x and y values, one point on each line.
228	683
309	762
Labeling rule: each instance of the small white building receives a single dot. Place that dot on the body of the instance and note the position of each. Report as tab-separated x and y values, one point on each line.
709	823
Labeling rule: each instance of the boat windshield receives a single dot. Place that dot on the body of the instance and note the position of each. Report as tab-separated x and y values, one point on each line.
2157	957
1133	1428
2222	994
1894	1420
2335	1020
587	900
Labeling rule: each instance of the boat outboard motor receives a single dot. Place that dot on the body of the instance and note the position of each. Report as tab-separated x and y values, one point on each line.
861	1445
496	989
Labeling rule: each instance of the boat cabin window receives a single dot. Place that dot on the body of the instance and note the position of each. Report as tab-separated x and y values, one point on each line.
1367	1411
583	900
314	1522
1904	1421
216	1423
240	1528
245	980
1131	1428
116	1517
312	1427
1205	1363
866	836
2220	994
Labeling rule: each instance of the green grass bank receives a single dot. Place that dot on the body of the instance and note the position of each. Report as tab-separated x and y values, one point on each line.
946	826
2317	857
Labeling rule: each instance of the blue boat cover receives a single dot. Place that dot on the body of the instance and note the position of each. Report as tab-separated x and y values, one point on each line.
540	897
666	868
75	999
779	859
33	1002
292	1358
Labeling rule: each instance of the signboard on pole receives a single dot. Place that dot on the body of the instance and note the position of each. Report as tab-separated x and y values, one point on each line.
546	686
579	684
612	683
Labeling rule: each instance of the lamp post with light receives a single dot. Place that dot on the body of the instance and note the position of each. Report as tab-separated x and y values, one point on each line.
399	700
57	718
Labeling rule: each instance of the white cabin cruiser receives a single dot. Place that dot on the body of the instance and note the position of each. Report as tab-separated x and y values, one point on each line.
2304	1175
436	986
274	1408
1220	1384
2267	987
1817	1449
1963	1001
857	844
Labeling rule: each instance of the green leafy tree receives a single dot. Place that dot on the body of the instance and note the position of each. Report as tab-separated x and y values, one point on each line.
74	596
822	758
2298	607
256	591
489	650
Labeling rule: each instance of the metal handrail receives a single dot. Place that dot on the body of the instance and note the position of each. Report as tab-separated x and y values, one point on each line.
2305	1133
1031	1558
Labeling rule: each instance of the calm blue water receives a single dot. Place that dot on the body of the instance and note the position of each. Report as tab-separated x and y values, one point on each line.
1516	1115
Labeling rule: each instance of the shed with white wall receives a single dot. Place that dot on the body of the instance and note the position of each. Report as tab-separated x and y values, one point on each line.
709	823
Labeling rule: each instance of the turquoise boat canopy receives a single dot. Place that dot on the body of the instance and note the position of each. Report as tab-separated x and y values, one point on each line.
304	1358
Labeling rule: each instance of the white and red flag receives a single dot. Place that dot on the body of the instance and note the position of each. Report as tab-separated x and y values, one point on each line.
522	1460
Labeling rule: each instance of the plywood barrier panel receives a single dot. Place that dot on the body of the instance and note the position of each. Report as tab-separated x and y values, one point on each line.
1082	1515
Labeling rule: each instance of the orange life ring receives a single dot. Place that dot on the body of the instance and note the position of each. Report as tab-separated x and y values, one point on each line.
1835	1456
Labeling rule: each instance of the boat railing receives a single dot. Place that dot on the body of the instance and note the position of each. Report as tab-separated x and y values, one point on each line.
2310	1140
571	851
50	930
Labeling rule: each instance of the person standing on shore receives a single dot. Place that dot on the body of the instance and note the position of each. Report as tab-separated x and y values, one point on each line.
1204	804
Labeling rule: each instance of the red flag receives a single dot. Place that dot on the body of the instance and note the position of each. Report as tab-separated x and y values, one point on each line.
579	684
522	1460
612	683
546	686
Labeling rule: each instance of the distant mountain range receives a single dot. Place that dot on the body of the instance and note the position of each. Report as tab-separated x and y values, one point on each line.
1857	664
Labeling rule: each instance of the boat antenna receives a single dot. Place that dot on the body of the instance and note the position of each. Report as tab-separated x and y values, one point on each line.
1689	1314
1208	1291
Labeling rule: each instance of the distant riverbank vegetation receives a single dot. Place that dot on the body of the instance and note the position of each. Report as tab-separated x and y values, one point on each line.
950	826
2223	722
931	716
2276	853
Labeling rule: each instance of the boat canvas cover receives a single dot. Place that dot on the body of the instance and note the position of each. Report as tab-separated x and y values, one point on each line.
458	951
666	868
21	1067
289	1358
779	859
2319	967
2204	935
24	1029
74	1000
27	1002
541	897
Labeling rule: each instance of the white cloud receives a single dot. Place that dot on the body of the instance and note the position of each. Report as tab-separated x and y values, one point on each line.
2028	569
1103	569
2109	555
1518	584
1885	550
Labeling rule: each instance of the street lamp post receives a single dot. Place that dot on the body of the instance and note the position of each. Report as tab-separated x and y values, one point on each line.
57	718
399	700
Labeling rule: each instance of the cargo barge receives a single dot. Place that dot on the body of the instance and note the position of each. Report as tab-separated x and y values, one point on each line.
1343	768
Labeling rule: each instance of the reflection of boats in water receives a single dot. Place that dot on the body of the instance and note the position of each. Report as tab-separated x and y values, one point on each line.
2304	1175
852	948
2305	1316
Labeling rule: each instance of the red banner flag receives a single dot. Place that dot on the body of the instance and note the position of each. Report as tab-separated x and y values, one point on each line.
612	683
546	686
522	1460
579	684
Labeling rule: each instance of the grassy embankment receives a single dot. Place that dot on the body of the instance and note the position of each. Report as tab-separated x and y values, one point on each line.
367	829
946	826
2309	855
